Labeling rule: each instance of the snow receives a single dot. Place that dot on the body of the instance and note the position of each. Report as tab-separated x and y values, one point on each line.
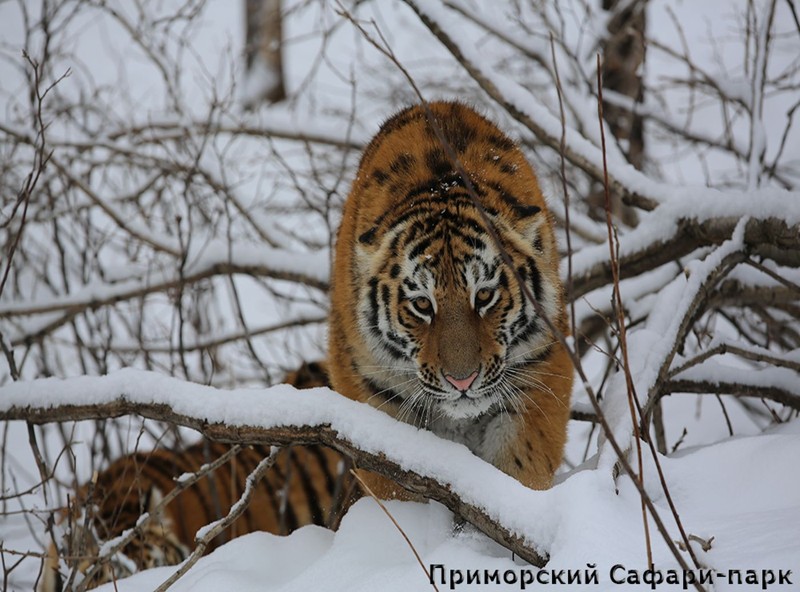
699	205
369	429
653	344
713	372
367	553
573	521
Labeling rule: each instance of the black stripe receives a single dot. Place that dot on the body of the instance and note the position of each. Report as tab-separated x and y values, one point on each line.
536	279
373	303
322	460
412	202
368	237
169	468
529	330
390	348
380	176
410	284
458	133
438	164
500	141
420	247
386	298
403	163
317	516
508	168
522	209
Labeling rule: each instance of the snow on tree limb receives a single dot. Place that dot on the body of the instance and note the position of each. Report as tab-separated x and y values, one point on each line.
678	228
416	459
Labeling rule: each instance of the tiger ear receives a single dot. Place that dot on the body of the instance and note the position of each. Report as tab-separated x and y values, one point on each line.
531	231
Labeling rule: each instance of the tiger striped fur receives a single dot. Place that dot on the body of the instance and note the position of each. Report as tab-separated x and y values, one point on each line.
306	485
427	322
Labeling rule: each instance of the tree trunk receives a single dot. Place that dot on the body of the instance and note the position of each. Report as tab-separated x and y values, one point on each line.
623	59
263	53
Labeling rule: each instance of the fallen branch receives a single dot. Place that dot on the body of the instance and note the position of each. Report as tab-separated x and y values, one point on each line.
283	417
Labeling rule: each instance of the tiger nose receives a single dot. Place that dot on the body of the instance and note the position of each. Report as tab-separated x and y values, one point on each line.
462	384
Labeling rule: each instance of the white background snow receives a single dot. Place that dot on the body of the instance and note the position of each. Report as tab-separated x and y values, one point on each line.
744	491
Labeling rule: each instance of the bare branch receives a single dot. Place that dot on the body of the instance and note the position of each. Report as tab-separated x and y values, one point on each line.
204	538
266	263
736	388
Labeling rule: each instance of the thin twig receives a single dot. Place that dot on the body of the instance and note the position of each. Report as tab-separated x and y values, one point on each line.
613	248
567	229
396	525
208	533
180	485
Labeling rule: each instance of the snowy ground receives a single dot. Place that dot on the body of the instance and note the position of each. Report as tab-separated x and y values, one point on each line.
594	526
741	495
750	507
576	521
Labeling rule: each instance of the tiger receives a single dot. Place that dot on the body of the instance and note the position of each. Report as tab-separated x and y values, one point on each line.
306	485
443	232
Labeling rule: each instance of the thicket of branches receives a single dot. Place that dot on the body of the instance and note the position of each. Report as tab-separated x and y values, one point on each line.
187	235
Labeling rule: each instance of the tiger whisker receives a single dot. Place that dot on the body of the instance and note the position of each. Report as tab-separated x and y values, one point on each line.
522	370
530	351
410	403
388	388
400	394
519	394
538	384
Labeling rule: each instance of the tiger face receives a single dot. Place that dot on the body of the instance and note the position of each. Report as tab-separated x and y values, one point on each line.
444	315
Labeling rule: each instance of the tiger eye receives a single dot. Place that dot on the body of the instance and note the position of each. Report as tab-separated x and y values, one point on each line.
483	296
422	305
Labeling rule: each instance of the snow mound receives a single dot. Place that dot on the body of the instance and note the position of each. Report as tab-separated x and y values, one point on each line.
743	492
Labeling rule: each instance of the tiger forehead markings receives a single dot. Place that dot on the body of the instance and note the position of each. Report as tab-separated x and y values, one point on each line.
427	320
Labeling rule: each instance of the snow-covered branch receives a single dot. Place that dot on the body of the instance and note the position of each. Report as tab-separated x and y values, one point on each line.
673	231
283	416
